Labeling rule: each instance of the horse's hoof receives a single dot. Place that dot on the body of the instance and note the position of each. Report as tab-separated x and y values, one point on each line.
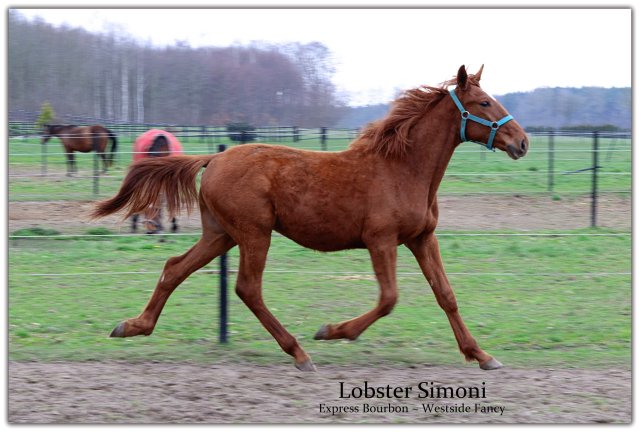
118	331
322	333
491	364
306	366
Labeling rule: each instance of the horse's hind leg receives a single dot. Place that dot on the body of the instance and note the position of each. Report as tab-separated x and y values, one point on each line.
153	220
134	222
176	270
253	255
99	144
104	162
427	252
383	257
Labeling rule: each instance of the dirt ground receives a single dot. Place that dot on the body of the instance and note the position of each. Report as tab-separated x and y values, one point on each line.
119	392
234	393
459	213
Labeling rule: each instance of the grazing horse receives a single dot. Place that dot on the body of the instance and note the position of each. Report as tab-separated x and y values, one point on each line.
83	139
154	143
379	193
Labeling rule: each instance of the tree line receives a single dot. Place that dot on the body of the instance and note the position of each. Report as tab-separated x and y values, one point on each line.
111	76
582	108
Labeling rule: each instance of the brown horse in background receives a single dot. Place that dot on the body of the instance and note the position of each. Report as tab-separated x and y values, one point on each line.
83	139
378	194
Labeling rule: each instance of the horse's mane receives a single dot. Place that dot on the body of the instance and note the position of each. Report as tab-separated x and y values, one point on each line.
389	136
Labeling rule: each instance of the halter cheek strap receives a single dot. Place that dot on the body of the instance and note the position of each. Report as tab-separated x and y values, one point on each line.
466	115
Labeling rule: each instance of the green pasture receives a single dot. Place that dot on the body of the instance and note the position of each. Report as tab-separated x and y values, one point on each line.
531	301
473	169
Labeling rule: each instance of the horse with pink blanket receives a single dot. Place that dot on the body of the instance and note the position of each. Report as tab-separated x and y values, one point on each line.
155	143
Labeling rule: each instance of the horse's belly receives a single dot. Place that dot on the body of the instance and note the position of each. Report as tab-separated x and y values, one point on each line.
319	236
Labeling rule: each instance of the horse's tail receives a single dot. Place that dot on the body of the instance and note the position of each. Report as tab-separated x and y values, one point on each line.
114	146
174	177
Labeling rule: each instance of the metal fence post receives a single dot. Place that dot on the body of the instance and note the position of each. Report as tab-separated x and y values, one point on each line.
594	182
43	168
323	138
96	173
223	316
551	155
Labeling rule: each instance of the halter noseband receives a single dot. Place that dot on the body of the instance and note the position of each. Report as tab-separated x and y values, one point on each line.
466	115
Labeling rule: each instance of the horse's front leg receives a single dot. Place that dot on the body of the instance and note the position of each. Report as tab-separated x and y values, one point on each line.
383	258
70	164
426	250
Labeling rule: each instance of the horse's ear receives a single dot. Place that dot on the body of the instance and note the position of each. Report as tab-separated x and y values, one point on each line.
479	73
462	78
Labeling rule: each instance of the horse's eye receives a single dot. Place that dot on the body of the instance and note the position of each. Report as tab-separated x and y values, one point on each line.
485	103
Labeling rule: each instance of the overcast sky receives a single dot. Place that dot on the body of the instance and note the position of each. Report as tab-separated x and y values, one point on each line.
379	51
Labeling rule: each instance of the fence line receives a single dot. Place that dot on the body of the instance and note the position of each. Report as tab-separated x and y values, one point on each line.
83	236
460	174
336	273
88	195
324	133
204	151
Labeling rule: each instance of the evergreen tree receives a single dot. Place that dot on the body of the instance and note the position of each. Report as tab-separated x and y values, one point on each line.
46	116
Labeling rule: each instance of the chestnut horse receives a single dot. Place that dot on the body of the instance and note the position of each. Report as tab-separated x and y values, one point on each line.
83	139
377	194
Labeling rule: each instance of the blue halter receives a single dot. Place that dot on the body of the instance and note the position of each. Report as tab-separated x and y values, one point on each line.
466	115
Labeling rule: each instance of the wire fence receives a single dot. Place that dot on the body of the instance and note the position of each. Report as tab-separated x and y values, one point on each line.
559	163
570	163
197	234
333	273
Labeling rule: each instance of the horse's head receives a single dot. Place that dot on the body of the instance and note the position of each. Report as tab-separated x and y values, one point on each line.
50	130
159	147
484	120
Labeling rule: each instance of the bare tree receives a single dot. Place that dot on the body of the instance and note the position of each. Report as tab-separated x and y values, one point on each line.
113	77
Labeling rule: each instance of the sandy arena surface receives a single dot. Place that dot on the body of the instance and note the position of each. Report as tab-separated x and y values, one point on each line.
236	393
461	213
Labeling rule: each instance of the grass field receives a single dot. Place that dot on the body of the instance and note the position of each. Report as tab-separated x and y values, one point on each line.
530	301
472	169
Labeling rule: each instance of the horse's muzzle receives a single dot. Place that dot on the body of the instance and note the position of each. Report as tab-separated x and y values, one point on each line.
517	151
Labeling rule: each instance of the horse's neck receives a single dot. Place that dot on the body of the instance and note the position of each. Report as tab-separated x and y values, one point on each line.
66	130
432	149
